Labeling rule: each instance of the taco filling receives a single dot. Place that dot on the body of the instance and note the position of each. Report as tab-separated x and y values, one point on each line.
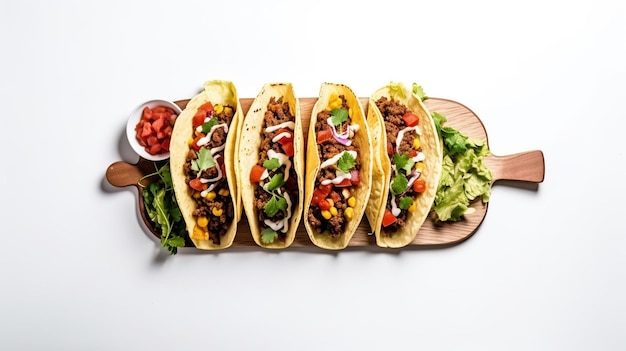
407	163
333	201
277	192
205	172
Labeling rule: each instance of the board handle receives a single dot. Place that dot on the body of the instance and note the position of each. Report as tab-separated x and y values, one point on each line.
526	166
122	174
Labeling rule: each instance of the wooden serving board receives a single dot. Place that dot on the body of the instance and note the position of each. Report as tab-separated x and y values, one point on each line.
526	166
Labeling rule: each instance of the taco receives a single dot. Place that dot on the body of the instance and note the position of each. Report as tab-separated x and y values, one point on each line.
202	162
407	169
271	166
338	168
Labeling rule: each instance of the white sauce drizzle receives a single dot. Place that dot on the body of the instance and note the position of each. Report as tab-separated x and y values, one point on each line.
205	140
289	124
282	160
339	177
280	136
407	129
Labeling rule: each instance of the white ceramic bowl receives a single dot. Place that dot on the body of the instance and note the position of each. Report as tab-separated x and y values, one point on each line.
135	117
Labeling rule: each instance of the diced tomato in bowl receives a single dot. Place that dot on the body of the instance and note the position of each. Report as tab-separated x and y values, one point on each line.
150	127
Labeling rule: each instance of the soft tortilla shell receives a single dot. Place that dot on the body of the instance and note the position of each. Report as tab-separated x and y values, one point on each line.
431	147
250	144
217	92
362	142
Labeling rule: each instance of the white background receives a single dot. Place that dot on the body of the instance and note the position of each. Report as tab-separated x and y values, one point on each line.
545	271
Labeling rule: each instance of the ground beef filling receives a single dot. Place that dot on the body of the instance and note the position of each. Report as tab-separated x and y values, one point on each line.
277	112
219	209
392	112
336	224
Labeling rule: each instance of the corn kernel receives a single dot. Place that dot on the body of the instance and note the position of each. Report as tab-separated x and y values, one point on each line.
202	221
413	207
218	108
331	203
199	234
196	195
419	166
223	192
228	111
326	214
349	212
210	195
217	211
416	143
352	201
333	211
190	141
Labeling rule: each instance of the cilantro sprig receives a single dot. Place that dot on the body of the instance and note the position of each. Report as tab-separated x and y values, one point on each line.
276	203
206	126
339	115
402	161
346	162
204	161
268	235
399	184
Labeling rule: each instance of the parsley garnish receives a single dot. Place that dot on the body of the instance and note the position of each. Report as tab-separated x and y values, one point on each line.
204	161
206	126
276	203
340	115
345	162
268	236
271	163
399	184
405	202
163	211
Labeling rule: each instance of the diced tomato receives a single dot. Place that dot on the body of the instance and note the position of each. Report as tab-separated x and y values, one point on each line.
419	185
154	129
146	130
335	196
325	189
198	118
256	173
355	177
324	135
194	144
154	149
206	107
318	195
288	149
196	184
147	113
286	139
410	119
389	148
388	218
344	183
158	124
152	140
412	153
324	205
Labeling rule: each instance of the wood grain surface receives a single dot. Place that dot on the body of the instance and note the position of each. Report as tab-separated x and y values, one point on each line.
525	166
